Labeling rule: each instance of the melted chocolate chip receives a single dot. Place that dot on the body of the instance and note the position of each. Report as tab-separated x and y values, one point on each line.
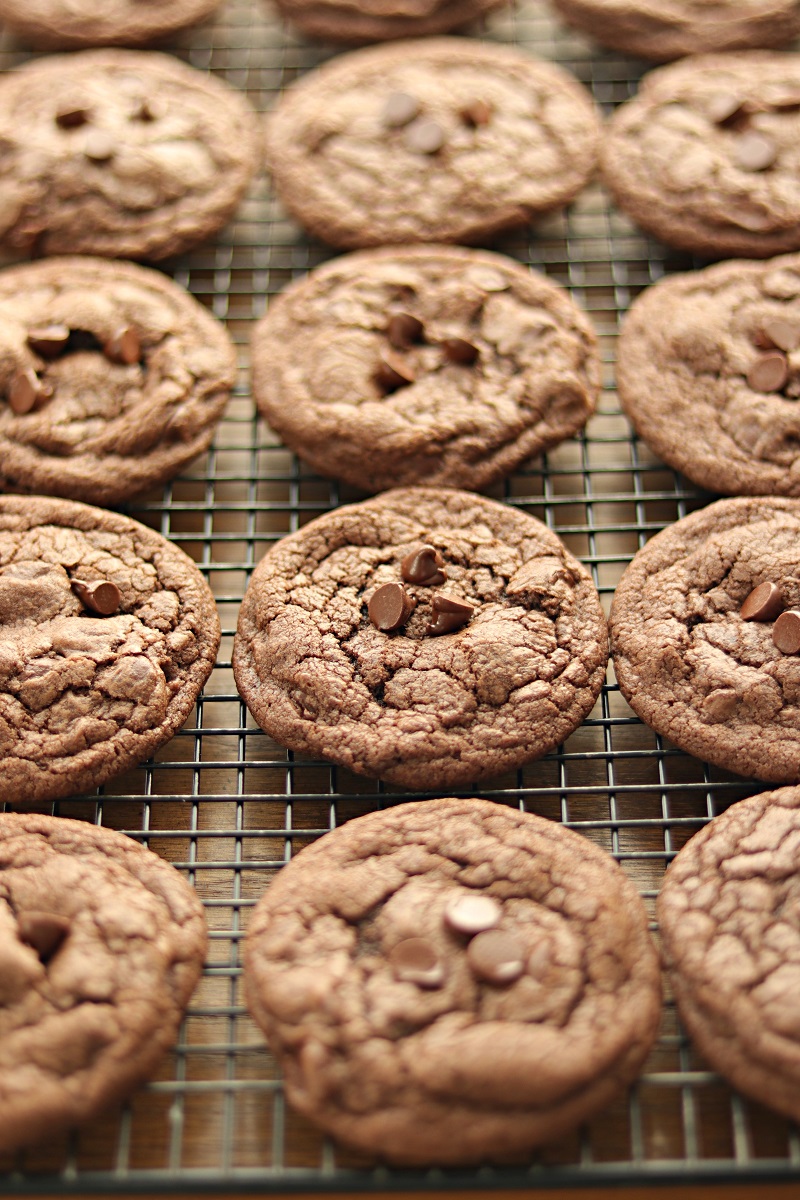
769	372
450	614
390	607
496	956
123	346
422	567
45	932
754	151
392	373
472	914
457	350
48	341
479	112
786	632
27	392
764	603
425	136
400	108
403	330
414	960
101	597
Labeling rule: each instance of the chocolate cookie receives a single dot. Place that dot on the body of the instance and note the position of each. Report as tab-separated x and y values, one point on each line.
453	980
730	941
666	29
426	637
101	945
380	20
119	153
112	378
441	140
707	155
703	630
107	634
75	24
424	365
708	370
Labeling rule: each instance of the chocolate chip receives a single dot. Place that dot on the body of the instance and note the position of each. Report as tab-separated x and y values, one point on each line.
390	607
49	340
27	392
400	108
425	136
392	373
123	346
764	603
754	151
45	932
403	330
72	116
450	614
414	960
720	704
786	632
150	110
472	914
100	597
769	372
724	108
782	332
457	350
479	112
496	956
99	147
488	279
422	567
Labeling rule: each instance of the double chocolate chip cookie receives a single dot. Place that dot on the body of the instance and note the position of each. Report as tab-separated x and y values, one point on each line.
707	155
453	980
729	930
666	29
76	24
101	945
119	153
440	140
705	632
107	634
380	20
112	378
424	365
708	368
426	637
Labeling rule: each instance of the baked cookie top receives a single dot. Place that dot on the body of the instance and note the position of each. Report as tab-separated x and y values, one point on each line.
707	155
424	364
107	634
112	378
453	980
120	153
717	675
101	946
730	941
379	20
438	140
708	369
666	29
76	24
427	637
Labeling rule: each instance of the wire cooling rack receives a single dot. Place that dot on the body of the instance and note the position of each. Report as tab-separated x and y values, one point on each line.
228	806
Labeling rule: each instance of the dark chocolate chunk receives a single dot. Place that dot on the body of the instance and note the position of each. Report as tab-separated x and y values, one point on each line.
101	597
45	932
49	340
764	603
496	956
472	914
403	330
123	347
450	614
390	607
460	351
422	567
769	372
27	392
400	108
414	960
786	632
754	151
392	373
425	136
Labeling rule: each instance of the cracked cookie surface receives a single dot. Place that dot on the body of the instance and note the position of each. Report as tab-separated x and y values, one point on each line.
101	946
708	370
380	20
728	916
453	1067
667	29
687	661
488	364
75	24
109	416
441	140
88	689
119	153
409	706
707	155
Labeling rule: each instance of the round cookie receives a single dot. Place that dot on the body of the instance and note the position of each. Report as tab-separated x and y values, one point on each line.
101	946
426	637
107	634
112	378
729	938
708	370
381	20
424	364
707	155
441	140
667	29
717	678
120	153
453	981
76	24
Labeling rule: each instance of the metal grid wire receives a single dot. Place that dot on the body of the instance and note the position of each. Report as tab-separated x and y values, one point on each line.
228	806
